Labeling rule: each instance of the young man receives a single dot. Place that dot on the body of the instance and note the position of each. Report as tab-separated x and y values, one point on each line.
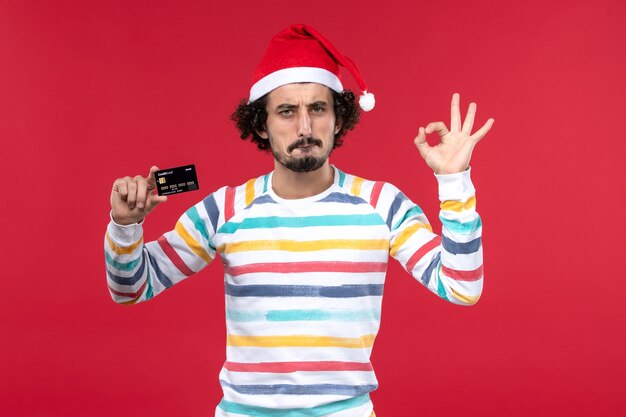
305	247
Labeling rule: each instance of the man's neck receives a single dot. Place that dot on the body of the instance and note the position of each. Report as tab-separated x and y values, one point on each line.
289	184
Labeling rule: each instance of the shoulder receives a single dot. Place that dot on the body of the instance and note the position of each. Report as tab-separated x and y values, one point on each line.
375	193
385	198
221	205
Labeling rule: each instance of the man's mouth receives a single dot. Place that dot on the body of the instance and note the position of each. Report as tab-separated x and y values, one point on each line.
304	144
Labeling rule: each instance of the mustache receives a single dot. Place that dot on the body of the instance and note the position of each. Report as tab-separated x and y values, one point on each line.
304	142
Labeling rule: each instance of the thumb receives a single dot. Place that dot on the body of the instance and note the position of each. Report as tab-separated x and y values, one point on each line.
153	198
151	177
420	142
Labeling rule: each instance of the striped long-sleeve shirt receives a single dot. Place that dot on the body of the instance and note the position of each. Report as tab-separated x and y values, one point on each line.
304	282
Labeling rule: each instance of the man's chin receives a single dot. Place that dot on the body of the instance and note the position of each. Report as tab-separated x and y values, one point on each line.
304	164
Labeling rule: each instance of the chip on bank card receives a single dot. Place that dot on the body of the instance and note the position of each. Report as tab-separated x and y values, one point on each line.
176	180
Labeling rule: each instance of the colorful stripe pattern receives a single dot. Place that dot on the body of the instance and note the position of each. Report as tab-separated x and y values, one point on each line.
304	282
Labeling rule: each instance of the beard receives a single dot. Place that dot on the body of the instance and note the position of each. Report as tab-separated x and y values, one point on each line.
304	163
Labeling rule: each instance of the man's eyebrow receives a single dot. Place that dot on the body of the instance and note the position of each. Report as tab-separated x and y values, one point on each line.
286	106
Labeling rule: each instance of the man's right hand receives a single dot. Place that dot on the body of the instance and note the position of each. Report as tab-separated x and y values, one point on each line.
132	198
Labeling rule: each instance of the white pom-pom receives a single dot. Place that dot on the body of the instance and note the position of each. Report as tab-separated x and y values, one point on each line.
367	101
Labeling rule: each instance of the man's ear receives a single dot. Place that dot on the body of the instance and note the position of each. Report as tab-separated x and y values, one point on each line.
338	126
262	133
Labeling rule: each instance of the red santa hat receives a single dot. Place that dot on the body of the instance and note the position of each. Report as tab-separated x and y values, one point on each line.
301	54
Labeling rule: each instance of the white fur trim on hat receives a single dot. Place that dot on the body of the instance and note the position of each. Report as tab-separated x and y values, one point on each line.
294	75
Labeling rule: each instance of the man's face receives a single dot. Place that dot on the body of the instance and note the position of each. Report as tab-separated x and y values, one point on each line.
301	125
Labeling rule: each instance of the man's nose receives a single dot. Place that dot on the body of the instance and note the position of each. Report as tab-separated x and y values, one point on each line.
304	124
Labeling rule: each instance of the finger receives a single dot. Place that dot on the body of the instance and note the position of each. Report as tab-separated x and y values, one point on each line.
132	194
420	142
455	113
142	191
483	130
120	187
439	127
151	179
469	119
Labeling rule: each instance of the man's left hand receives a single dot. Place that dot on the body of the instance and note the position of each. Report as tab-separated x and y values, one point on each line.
453	152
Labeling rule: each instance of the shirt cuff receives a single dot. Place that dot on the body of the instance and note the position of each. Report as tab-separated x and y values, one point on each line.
124	235
455	187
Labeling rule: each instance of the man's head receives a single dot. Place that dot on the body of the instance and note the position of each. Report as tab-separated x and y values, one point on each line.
252	118
300	68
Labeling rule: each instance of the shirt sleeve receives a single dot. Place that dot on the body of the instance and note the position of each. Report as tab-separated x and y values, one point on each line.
450	265
137	271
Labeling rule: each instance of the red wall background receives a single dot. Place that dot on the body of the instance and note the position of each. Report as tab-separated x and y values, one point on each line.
91	91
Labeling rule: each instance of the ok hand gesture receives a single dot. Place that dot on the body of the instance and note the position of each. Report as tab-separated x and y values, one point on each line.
454	150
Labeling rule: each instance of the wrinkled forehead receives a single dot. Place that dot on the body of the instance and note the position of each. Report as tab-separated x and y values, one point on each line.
299	94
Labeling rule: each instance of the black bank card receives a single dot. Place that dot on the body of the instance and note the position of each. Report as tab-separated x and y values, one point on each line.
176	180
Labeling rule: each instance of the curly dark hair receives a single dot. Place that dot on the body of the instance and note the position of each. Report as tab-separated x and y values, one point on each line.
250	118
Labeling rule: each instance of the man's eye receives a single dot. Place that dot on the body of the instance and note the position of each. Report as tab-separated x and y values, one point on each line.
286	112
318	109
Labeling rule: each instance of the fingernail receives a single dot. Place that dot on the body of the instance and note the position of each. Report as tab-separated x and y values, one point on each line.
140	205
